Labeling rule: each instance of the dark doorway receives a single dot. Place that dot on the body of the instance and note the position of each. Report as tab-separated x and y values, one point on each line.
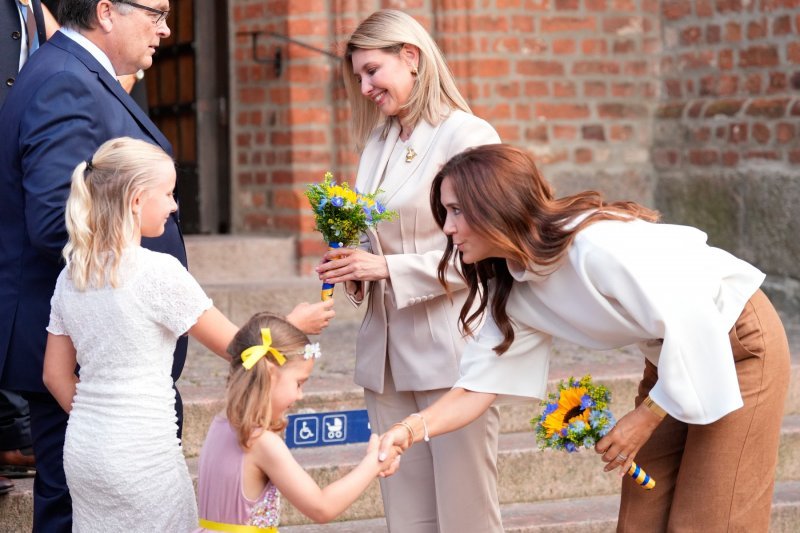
187	95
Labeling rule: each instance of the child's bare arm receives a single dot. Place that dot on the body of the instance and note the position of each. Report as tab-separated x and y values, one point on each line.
319	504
311	319
59	369
214	331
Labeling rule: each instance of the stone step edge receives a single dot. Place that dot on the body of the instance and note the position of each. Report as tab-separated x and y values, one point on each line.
326	464
579	515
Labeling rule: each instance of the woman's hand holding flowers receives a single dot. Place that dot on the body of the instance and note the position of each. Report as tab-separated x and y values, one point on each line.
620	446
352	264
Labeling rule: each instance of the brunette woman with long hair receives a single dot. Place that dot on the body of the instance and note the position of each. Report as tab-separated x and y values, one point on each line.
606	275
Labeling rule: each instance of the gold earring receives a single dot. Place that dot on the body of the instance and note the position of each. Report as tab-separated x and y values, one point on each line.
414	71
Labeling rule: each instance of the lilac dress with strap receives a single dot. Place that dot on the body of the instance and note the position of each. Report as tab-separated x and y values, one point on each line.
219	487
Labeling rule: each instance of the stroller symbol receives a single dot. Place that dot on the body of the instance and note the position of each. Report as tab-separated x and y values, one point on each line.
335	429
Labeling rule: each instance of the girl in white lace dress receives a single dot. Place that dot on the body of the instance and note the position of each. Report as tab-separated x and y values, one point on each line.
117	311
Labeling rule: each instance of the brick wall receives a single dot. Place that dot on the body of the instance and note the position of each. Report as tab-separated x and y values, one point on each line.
727	138
673	103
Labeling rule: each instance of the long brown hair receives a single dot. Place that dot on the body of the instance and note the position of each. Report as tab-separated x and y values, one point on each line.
248	397
505	200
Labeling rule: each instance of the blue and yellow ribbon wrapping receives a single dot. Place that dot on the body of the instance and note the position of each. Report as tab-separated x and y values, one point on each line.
640	477
327	288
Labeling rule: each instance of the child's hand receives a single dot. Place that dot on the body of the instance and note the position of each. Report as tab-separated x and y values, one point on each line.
390	464
311	319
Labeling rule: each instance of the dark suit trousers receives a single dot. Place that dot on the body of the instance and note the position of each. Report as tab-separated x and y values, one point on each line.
15	422
52	502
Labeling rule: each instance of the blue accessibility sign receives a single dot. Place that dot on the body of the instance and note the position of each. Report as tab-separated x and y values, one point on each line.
326	429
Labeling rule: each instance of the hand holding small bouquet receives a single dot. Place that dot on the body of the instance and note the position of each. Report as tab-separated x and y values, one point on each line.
342	215
576	416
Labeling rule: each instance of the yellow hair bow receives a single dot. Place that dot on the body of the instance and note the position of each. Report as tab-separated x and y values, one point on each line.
253	354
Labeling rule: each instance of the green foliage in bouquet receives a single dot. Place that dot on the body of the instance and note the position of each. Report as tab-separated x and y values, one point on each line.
574	416
341	214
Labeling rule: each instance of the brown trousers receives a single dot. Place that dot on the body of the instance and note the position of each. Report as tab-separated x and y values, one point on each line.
719	476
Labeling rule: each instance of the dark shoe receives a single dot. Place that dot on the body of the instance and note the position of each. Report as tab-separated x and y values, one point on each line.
17	463
6	485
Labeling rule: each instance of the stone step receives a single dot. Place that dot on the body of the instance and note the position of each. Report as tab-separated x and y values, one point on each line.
240	258
596	514
239	301
525	475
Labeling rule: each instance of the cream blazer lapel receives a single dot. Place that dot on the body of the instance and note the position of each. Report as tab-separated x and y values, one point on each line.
421	140
376	160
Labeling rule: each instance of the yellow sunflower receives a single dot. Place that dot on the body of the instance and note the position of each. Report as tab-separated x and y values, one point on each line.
569	410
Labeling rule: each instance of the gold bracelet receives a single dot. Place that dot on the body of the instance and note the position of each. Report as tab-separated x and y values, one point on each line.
411	436
425	436
654	407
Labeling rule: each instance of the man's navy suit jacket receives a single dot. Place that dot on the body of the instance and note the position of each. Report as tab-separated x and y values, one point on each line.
62	107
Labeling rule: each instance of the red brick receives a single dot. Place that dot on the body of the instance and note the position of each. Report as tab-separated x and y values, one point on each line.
620	133
777	82
566	5
540	68
771	155
691	36
673	88
595	67
308	115
703	157
760	56
564	132
704	8
562	111
730	159
676	9
623	46
665	158
583	155
794	156
723	107
701	134
733	32
563	89
671	110
593	132
623	89
594	47
785	132
563	46
537	133
594	89
782	26
793	52
761	133
613	111
757	29
752	83
289	199
304	7
536	88
725	59
563	24
494	68
737	133
713	34
600	5
768	108
726	6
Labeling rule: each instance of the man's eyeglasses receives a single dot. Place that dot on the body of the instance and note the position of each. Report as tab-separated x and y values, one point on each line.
162	15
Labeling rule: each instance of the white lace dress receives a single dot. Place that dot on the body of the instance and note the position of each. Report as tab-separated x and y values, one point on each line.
123	461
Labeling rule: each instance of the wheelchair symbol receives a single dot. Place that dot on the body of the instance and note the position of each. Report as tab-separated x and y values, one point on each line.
335	430
305	430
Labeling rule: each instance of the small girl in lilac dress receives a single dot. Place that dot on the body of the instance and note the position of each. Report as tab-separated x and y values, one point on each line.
245	465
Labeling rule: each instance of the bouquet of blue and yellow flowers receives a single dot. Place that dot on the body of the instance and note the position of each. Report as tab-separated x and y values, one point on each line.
577	416
342	215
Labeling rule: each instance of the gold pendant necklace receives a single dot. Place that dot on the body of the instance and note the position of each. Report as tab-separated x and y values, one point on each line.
410	154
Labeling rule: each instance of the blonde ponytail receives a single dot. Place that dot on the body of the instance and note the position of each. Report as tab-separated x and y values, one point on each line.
99	217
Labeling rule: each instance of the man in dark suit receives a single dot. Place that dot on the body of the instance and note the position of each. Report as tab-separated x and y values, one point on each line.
64	104
15	47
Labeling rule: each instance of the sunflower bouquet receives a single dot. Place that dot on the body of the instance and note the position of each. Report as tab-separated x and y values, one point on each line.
342	215
577	416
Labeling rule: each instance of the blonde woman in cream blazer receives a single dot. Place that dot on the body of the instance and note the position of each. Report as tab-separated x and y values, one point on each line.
410	120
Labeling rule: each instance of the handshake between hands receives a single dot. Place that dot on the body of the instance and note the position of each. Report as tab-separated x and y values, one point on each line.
385	451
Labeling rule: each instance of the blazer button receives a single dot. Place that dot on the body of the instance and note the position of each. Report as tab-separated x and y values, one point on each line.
16	35
10	82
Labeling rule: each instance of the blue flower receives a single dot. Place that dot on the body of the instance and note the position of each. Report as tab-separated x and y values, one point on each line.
379	208
587	401
564	432
588	442
549	408
322	202
367	212
570	447
337	201
578	426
